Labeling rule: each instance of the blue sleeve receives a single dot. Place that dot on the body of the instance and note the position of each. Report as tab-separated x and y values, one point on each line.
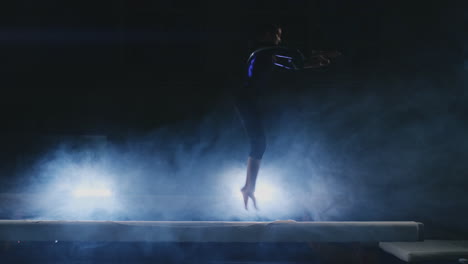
291	59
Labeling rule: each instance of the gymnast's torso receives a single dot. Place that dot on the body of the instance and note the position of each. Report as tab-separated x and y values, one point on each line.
264	62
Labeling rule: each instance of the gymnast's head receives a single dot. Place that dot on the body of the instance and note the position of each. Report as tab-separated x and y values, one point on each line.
268	35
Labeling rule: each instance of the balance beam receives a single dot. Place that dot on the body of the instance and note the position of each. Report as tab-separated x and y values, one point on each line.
209	231
428	250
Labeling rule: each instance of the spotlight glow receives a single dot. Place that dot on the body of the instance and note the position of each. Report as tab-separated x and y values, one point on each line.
273	200
267	192
82	192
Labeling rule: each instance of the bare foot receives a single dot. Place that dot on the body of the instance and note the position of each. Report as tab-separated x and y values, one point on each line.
246	193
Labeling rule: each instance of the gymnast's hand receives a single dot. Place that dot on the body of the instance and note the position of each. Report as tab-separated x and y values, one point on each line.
246	193
320	59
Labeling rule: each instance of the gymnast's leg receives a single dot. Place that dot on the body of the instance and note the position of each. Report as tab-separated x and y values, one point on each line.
253	165
252	121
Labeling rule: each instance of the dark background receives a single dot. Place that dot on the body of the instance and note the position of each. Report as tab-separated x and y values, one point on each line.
77	67
121	68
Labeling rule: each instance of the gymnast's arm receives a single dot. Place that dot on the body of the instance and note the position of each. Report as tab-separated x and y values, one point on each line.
318	60
308	64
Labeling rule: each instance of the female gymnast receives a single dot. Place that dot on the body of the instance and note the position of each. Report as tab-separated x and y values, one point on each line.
267	55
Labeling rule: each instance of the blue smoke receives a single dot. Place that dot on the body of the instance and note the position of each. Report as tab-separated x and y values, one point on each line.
389	150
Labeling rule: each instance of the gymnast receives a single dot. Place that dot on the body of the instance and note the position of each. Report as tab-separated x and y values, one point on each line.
267	55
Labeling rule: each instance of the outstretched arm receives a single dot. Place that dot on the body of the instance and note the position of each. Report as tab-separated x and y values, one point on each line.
316	62
320	59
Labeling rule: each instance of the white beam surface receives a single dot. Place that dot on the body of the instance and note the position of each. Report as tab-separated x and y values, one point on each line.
206	231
